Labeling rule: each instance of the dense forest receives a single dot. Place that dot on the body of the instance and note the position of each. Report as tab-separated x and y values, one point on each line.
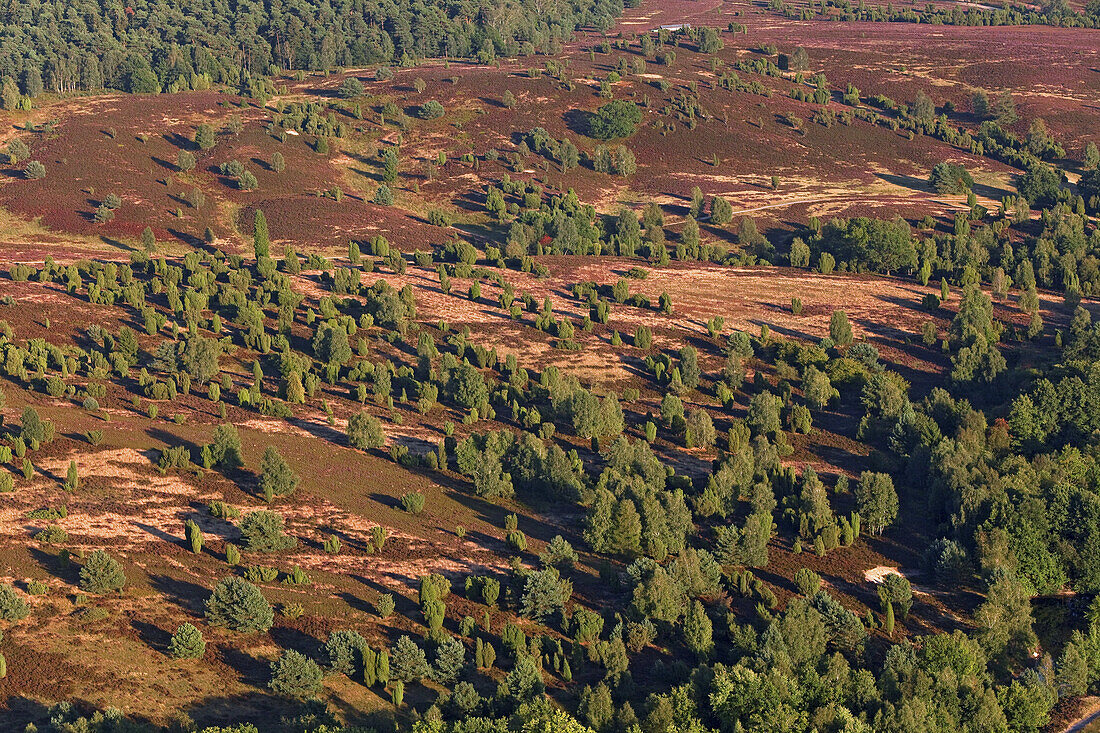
144	47
1056	12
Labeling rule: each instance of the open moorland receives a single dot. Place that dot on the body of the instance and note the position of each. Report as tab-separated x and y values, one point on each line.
690	366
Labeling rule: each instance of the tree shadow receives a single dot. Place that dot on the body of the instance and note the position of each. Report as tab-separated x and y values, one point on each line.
154	636
579	121
19	711
250	670
174	138
161	534
189	239
189	596
54	565
111	242
911	182
166	164
355	602
289	637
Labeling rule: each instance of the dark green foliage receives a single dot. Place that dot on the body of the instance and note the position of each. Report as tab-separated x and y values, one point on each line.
346	651
843	629
840	330
349	88
330	344
558	553
101	574
876	244
807	581
385	605
450	661
950	178
187	643
263	531
238	605
407	661
34	429
545	593
276	477
226	448
614	119
596	708
261	239
295	675
413	502
431	110
896	591
698	631
204	136
523	682
973	336
465	387
12	606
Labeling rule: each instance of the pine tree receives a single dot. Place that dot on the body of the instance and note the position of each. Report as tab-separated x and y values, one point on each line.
626	529
101	574
204	136
888	624
296	675
596	706
238	605
408	663
187	643
12	607
450	660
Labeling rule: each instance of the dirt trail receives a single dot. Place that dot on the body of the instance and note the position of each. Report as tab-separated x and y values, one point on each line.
1091	715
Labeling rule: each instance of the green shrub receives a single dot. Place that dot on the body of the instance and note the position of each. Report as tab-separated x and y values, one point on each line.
297	576
261	574
365	432
52	535
345	651
413	502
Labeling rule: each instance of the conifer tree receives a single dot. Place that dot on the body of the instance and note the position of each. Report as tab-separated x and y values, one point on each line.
72	478
187	643
101	574
261	241
276	476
